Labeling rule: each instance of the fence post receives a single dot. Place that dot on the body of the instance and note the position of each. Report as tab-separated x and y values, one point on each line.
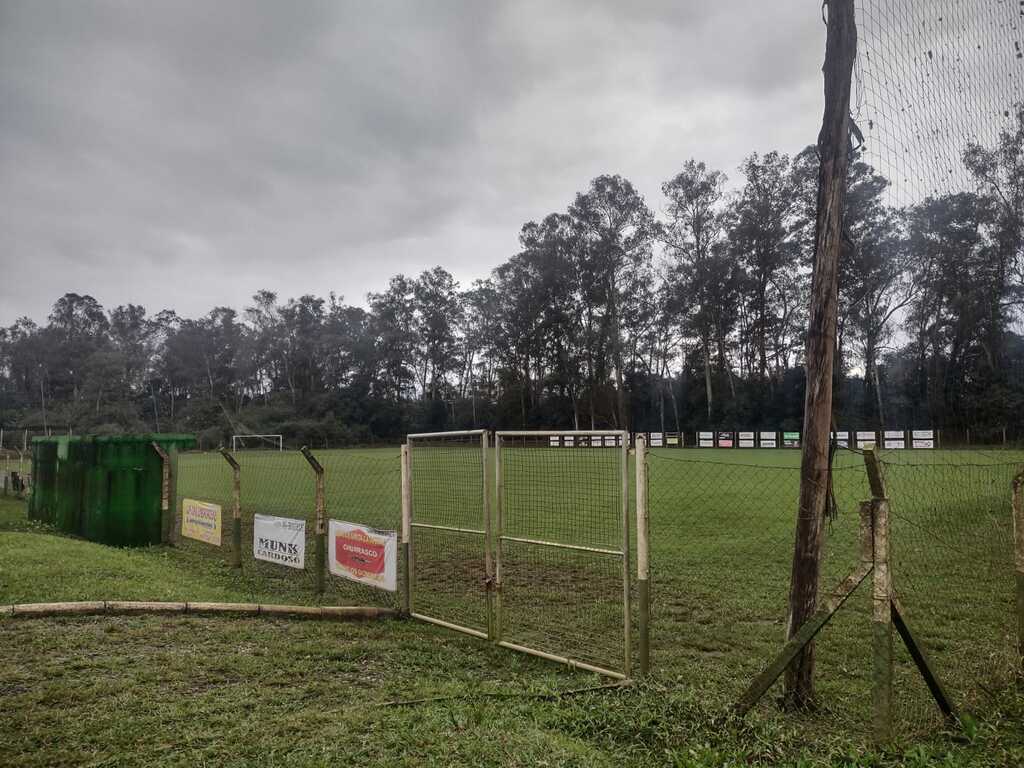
406	530
626	569
488	539
236	508
321	530
1018	537
166	519
643	568
499	529
881	619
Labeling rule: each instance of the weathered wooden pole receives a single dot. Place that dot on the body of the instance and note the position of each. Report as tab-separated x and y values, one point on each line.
881	613
833	147
236	508
321	523
166	515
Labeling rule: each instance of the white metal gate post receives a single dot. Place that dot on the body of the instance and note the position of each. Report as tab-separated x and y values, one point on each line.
499	489
626	596
407	529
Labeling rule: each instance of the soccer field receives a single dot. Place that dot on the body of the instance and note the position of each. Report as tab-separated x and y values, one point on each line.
721	533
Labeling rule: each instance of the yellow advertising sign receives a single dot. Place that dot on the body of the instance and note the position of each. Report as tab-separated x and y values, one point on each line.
200	520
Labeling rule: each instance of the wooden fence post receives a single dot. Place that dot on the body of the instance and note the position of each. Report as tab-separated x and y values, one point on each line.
881	618
321	525
1018	538
166	516
406	530
643	565
236	508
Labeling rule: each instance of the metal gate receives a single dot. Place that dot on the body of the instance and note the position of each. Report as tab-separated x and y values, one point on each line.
543	567
562	548
450	569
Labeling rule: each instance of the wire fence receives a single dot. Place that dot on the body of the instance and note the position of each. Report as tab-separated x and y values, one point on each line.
564	547
722	538
517	545
361	486
451	567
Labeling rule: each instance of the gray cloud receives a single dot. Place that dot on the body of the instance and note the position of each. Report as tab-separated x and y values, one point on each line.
185	154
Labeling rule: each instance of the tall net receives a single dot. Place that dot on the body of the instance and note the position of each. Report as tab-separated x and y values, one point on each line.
449	529
930	77
564	546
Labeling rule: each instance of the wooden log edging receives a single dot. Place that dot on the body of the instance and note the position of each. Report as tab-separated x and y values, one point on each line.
133	607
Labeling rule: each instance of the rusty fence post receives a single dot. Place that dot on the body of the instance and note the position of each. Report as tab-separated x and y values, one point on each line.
321	524
236	508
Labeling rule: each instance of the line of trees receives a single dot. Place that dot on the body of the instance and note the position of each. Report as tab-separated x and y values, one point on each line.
611	314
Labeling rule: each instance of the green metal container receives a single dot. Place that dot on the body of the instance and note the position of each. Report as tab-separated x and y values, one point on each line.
105	489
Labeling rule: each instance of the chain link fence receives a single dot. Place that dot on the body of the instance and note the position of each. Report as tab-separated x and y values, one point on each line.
360	486
722	533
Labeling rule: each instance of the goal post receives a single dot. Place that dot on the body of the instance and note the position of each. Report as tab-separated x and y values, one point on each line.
257	442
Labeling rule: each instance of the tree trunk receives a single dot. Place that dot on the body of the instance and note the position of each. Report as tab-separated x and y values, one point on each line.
833	142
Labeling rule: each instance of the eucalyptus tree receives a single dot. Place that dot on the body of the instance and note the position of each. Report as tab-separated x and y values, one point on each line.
618	231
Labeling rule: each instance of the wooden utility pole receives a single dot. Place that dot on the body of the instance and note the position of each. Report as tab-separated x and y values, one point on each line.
833	149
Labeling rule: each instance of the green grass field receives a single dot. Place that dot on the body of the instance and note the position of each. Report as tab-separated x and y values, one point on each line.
721	532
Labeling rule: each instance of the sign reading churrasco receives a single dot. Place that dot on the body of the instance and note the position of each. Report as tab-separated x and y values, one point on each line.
280	540
200	520
363	554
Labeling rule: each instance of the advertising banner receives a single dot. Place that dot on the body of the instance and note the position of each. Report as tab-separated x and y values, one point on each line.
657	440
280	540
866	439
895	438
767	440
923	438
790	439
746	439
553	441
706	439
671	438
200	520
842	438
725	440
364	554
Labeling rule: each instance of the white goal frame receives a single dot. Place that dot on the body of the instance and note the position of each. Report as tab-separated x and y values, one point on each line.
269	438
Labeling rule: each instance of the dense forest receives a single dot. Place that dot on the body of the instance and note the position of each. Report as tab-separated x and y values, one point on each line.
611	314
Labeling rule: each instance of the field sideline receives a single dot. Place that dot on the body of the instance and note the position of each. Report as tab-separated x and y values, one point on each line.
185	691
721	523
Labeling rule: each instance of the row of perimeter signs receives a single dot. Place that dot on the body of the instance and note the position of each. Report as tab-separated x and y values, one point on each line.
887	438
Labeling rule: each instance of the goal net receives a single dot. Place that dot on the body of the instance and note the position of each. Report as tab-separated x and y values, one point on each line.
257	443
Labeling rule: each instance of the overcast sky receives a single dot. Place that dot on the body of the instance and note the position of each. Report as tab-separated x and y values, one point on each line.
186	154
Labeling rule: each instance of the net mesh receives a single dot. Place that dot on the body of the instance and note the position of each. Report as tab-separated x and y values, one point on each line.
931	77
952	563
361	486
562	540
449	529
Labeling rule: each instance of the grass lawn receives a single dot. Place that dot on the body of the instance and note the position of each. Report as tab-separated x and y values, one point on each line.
188	690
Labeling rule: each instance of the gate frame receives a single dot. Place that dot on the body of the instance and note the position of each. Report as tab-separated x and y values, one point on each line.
627	647
409	526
